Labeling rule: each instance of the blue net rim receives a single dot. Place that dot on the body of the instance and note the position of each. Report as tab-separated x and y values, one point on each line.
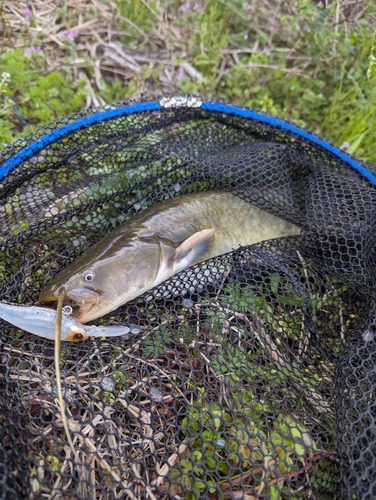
182	102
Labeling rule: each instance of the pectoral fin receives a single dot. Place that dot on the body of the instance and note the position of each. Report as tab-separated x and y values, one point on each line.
194	249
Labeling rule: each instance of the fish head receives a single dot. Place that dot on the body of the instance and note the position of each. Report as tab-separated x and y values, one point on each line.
97	287
86	288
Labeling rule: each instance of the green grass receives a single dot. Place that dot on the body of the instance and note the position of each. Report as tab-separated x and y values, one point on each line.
29	98
308	62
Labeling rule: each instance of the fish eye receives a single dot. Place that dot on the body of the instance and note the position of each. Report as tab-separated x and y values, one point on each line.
88	275
77	337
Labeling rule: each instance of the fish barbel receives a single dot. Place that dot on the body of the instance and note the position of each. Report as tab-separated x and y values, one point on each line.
41	321
156	244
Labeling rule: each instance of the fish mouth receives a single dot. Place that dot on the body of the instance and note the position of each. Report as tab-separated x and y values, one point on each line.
80	299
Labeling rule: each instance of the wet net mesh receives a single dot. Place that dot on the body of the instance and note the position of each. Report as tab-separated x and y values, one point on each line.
248	376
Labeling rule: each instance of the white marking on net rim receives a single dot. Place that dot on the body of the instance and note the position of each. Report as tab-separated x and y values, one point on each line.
181	101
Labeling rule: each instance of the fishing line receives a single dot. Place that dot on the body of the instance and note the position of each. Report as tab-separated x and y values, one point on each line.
59	317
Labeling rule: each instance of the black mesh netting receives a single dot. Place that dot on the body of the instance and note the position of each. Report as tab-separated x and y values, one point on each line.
248	376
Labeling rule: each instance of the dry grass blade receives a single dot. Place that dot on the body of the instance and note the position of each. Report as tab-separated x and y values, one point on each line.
59	316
